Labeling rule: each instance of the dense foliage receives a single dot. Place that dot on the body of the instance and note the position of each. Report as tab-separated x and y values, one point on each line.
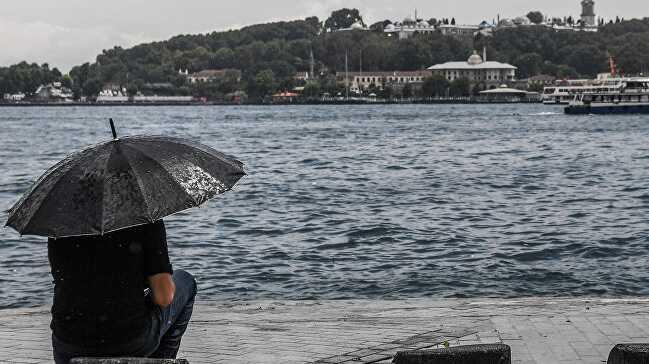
269	55
25	77
541	50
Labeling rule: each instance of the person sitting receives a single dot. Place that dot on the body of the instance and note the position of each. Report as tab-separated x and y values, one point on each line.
100	307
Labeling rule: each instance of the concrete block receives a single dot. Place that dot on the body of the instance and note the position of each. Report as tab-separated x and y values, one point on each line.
629	354
470	354
127	361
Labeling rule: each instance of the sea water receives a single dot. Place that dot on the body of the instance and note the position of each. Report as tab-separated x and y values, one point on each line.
374	201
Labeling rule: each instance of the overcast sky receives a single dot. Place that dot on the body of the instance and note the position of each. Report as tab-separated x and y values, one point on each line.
69	32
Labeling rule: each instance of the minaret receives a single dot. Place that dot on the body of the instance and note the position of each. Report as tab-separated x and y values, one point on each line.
588	13
311	64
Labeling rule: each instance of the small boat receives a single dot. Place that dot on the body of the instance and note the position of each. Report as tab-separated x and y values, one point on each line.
631	98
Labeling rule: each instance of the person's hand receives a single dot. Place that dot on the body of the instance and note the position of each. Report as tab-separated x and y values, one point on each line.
162	289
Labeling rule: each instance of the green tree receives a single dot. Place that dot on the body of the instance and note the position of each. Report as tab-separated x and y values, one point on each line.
566	72
387	92
343	18
312	89
66	81
407	91
92	87
265	83
132	89
529	64
535	17
587	60
435	86
379	26
460	87
475	91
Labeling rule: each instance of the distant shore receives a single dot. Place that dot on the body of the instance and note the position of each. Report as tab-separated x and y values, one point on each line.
306	102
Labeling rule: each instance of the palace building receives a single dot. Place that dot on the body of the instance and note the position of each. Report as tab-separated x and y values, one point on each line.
408	27
477	70
362	81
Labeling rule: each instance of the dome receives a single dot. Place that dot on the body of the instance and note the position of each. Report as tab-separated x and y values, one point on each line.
408	21
506	23
389	27
522	20
357	25
475	59
424	24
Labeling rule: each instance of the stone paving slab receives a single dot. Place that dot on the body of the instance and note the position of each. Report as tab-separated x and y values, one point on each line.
543	331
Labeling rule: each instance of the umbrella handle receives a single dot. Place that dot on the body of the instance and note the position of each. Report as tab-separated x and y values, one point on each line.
112	128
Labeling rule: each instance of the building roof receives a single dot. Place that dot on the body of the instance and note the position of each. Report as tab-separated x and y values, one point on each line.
504	91
467	66
460	26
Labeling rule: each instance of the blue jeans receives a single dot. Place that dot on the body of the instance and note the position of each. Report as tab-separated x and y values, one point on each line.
167	327
173	320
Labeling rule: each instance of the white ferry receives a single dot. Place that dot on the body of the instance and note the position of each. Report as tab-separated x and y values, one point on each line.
563	95
631	98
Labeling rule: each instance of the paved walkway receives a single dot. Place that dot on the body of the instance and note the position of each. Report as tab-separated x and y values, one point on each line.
543	331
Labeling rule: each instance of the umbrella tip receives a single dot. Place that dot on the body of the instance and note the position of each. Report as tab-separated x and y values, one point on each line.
112	129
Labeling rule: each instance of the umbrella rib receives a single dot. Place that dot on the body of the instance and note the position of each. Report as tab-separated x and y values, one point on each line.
207	150
199	148
139	185
164	169
215	153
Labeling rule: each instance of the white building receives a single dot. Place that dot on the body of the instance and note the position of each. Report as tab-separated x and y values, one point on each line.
356	26
361	81
459	30
477	70
408	27
15	97
108	94
54	91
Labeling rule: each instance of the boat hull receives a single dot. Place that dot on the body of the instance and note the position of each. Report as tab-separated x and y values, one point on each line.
607	109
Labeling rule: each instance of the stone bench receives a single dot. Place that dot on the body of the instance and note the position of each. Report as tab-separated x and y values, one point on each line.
629	354
469	354
127	361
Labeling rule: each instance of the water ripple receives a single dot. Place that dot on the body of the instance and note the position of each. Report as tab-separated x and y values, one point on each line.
375	201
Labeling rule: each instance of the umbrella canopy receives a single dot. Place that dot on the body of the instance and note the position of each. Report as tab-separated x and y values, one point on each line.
123	183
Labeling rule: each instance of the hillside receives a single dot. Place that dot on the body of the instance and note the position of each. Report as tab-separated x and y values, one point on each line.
269	55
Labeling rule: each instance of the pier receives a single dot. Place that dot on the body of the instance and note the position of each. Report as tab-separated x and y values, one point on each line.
539	330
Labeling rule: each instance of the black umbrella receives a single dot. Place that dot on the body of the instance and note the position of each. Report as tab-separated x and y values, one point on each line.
122	183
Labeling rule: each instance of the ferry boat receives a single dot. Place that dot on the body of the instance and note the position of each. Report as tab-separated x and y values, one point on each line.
631	98
563	95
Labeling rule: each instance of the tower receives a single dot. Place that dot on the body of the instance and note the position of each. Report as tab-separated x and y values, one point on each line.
588	13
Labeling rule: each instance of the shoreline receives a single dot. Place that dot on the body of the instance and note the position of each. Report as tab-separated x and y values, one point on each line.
310	103
538	330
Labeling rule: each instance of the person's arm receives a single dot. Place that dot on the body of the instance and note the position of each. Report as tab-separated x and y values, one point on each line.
157	268
162	289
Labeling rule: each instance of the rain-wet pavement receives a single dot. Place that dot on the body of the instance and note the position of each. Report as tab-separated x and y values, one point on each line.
539	330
